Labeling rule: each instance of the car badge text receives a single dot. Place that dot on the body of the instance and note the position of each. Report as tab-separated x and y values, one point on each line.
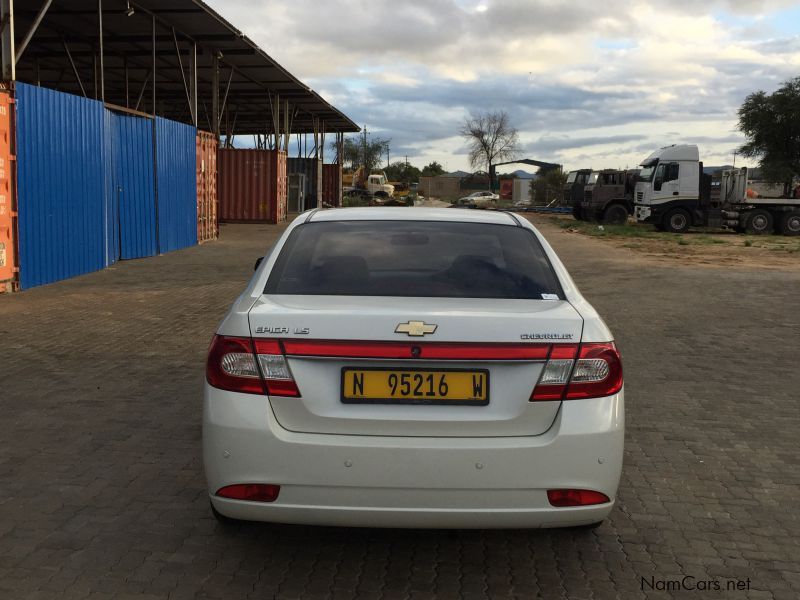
415	328
278	330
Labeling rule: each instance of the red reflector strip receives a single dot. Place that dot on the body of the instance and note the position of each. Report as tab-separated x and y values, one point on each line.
252	492
282	387
564	351
562	498
548	392
264	346
423	350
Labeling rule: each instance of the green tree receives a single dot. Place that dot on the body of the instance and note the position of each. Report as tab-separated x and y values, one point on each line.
771	125
402	171
432	169
361	150
547	186
491	139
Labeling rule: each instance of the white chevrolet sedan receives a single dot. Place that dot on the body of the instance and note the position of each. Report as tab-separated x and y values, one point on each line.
413	367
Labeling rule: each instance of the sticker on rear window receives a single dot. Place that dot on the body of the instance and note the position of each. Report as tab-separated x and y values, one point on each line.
549	296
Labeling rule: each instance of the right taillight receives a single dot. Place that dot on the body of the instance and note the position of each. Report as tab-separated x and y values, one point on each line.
250	366
595	373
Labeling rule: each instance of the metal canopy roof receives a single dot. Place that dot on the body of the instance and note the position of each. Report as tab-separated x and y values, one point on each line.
250	82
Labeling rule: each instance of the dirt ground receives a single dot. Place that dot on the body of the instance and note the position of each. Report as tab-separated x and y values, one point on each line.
713	249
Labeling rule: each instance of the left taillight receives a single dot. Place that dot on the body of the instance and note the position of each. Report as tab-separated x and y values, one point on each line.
249	366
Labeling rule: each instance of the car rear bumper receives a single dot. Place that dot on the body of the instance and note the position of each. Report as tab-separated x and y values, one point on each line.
434	482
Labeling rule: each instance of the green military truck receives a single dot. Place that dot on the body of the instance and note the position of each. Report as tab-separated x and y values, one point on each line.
608	196
573	190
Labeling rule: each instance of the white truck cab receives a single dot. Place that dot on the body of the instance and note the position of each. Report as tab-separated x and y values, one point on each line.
669	180
378	185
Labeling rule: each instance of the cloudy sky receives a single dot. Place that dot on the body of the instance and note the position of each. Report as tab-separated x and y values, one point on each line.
586	83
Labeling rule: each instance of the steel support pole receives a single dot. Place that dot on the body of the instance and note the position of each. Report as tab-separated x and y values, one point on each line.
74	69
7	42
153	68
193	108
100	33
34	26
215	95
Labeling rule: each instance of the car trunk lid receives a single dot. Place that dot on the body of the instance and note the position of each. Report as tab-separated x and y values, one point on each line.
325	336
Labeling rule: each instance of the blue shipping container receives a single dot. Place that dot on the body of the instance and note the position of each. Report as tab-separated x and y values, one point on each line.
93	186
176	175
60	183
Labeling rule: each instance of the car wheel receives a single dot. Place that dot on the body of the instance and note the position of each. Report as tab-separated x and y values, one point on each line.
677	221
616	214
758	222
790	223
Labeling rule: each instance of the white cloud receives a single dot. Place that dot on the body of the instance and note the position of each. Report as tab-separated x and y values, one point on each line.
638	74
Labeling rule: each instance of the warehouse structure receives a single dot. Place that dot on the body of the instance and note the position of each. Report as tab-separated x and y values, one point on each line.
117	121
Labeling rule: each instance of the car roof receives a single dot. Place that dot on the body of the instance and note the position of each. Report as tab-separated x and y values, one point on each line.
405	213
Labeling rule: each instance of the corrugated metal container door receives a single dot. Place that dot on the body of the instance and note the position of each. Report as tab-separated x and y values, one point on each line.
309	168
207	228
241	185
60	185
132	193
7	205
252	185
176	165
332	184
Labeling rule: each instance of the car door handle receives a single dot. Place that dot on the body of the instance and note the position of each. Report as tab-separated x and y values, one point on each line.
674	193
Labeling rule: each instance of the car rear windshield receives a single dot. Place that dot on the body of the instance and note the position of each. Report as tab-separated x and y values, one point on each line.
414	259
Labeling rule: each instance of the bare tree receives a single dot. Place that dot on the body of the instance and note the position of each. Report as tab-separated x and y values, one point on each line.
491	139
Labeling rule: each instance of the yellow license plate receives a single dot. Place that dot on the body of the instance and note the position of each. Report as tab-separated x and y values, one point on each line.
415	386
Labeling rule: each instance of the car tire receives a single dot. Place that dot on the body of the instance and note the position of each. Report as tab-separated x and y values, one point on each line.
677	220
759	222
616	214
790	223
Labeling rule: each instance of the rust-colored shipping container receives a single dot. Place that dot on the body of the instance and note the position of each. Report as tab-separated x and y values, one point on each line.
332	184
251	185
8	214
207	227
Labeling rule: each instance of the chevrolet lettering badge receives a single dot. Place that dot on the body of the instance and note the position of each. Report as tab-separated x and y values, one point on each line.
415	328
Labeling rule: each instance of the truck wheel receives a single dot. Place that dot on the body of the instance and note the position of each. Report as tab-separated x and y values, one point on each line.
790	223
677	221
616	214
758	222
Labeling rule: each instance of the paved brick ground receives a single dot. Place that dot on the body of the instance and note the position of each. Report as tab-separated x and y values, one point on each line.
101	486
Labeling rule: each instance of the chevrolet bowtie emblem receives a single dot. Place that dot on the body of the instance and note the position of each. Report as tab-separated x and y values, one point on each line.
415	328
